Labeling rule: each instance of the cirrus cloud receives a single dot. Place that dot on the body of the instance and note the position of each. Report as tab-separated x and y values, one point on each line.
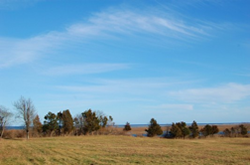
109	24
227	93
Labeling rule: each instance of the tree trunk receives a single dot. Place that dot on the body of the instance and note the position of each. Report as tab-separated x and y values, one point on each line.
51	133
3	126
27	134
2	133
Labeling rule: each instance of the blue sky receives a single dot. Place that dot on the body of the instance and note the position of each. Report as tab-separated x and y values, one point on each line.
135	60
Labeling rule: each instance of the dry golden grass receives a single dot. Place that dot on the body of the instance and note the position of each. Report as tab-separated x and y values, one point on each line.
124	150
136	130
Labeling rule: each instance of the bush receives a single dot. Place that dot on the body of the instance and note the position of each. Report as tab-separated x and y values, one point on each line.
227	132
179	130
12	134
154	128
194	129
236	131
209	130
243	130
127	127
175	131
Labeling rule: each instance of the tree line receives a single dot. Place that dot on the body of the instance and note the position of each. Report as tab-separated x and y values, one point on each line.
93	122
58	124
181	130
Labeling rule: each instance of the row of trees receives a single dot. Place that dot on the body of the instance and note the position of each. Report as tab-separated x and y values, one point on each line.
62	123
181	130
177	130
54	124
235	131
92	121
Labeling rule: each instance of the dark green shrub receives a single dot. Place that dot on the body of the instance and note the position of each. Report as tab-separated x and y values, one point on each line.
153	128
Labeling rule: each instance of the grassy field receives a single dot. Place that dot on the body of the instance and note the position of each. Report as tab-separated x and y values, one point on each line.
124	150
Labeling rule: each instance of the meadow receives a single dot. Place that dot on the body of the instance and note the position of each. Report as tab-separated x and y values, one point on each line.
110	149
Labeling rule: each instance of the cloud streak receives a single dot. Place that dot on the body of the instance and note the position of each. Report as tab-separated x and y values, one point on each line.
121	86
228	93
85	69
21	51
109	24
136	22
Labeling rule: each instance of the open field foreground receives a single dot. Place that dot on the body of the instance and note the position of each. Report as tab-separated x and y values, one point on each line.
124	150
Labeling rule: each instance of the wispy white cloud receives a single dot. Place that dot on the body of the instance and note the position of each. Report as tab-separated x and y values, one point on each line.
141	90
85	68
20	51
137	87
115	21
109	23
122	86
227	93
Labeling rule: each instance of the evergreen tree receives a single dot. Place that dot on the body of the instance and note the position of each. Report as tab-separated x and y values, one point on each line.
37	125
103	121
184	130
194	129
214	129
91	121
102	118
154	128
207	130
243	130
175	131
233	132
50	124
227	132
127	127
67	121
110	121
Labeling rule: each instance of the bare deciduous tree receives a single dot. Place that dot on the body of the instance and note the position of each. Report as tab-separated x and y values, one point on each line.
26	111
78	123
5	116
